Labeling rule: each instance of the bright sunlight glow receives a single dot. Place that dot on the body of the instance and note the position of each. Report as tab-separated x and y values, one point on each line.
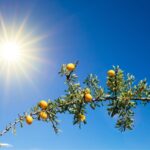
10	51
20	49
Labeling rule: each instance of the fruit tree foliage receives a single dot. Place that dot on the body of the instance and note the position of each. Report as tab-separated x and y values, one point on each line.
121	96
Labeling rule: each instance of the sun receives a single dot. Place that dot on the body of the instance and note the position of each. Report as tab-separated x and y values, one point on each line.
20	50
19	45
10	51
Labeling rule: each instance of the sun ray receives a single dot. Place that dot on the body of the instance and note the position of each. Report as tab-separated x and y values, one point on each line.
4	30
35	40
19	50
28	77
21	29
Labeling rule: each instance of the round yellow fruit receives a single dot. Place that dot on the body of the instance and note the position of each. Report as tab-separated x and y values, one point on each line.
88	97
111	73
43	115
87	91
43	104
82	117
29	119
70	67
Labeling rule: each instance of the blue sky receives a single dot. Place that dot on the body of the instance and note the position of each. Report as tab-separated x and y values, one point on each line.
98	33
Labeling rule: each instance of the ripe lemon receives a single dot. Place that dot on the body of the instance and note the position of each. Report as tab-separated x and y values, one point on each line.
43	104
43	115
88	97
87	91
82	117
111	73
70	67
29	119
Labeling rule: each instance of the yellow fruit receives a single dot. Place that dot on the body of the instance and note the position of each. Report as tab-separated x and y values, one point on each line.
70	67
88	97
87	91
43	104
43	115
29	119
111	73
82	117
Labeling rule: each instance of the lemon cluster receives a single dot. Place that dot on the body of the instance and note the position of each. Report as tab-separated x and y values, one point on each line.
42	114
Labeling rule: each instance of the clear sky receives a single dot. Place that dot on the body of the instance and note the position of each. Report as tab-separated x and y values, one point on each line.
98	33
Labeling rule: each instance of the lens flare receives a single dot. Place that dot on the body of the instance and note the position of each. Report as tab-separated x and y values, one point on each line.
20	49
10	51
